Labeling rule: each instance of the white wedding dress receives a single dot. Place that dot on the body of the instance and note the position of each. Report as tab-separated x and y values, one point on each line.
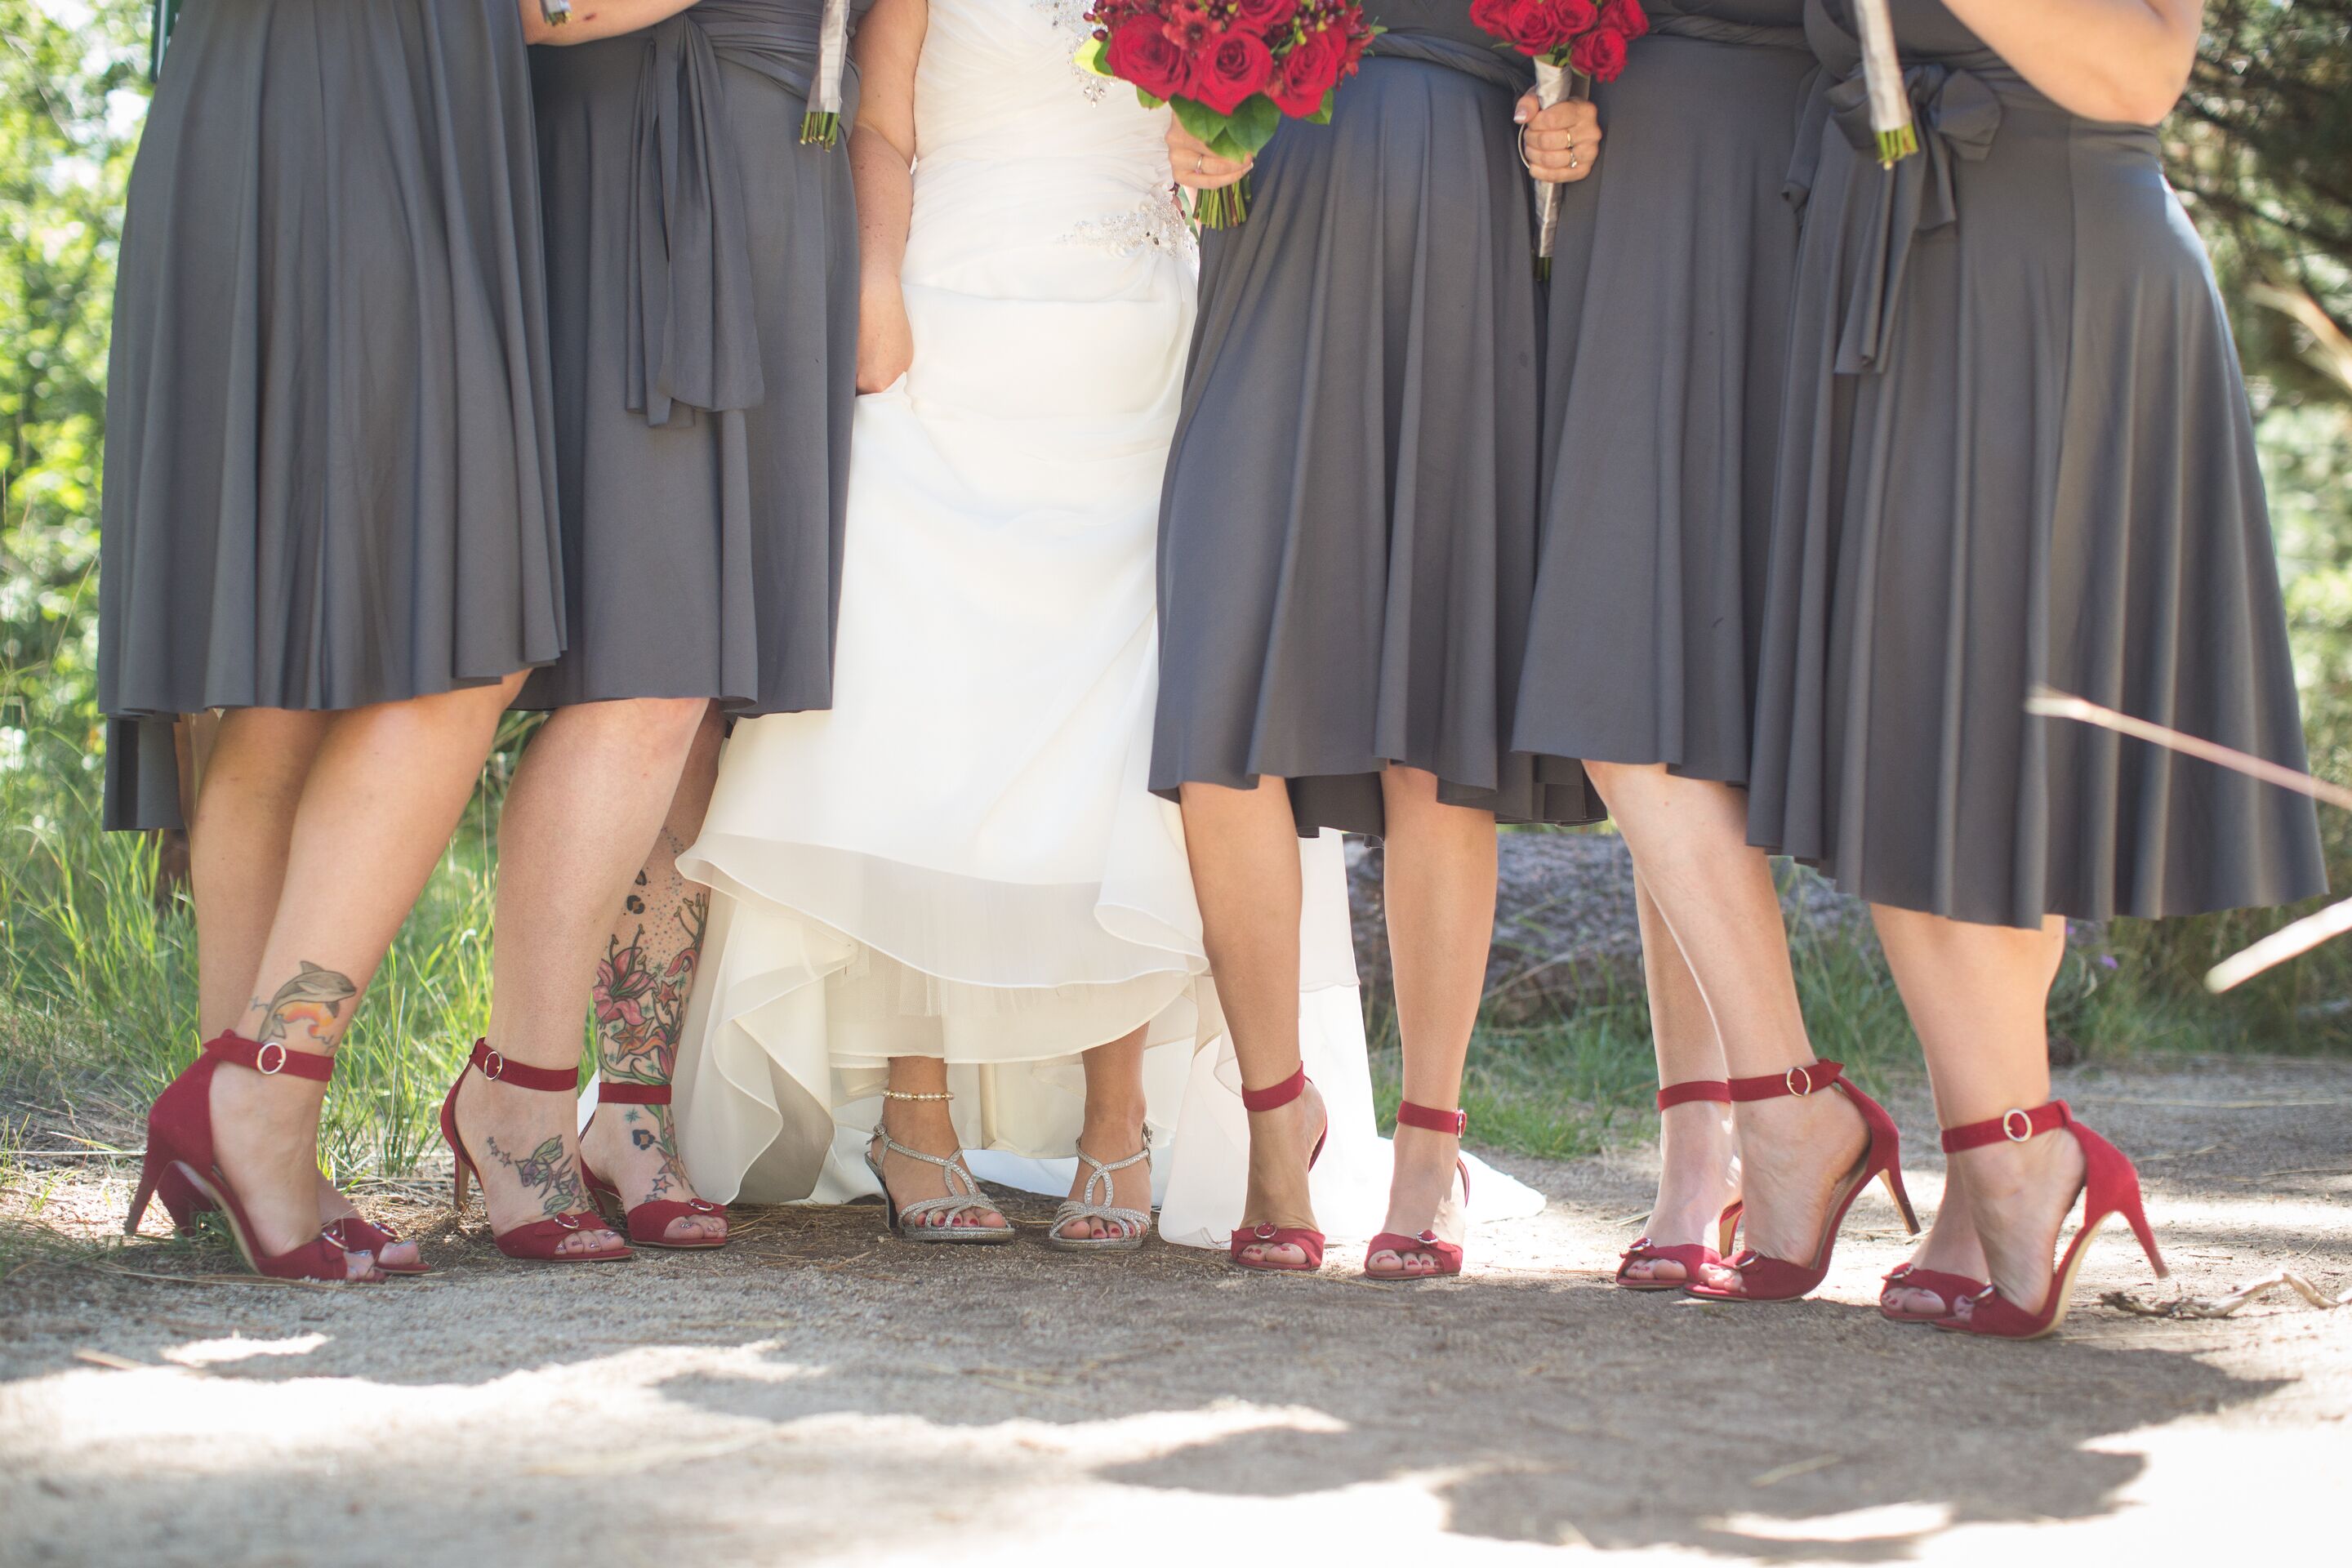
961	859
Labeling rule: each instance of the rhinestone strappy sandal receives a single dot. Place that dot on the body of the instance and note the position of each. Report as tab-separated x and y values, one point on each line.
1133	1225
963	1194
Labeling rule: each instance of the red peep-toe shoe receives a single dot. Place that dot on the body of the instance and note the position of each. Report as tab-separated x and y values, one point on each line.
541	1241
1309	1242
1447	1255
1763	1278
647	1224
180	1170
1951	1289
1692	1256
2110	1187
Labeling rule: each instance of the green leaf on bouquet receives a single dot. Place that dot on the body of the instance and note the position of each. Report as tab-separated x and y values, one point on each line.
1089	58
1146	99
1254	123
1202	121
1322	115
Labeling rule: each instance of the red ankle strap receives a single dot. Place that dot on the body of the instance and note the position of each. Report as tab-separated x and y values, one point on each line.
1430	1120
1713	1091
271	1057
619	1091
497	1069
1280	1095
1798	1081
2010	1127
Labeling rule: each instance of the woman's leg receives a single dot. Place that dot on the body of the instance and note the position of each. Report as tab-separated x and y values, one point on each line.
1439	865
1112	1131
587	800
1243	845
915	1113
652	953
1690	838
1699	1153
383	793
251	768
1979	996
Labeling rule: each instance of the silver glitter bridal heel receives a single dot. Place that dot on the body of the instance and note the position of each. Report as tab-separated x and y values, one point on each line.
1133	1225
962	1195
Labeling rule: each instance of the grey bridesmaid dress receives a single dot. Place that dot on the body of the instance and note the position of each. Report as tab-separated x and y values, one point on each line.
1668	336
1348	536
2017	451
329	470
702	286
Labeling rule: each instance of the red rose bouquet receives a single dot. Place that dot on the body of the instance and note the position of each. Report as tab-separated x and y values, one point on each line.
1574	44
1232	69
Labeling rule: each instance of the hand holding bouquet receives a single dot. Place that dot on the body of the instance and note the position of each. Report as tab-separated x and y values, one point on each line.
1232	69
1573	43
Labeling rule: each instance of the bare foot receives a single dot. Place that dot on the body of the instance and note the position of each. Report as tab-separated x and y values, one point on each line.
1130	1186
925	1125
635	1147
1280	1143
526	1159
1425	1197
265	1144
1698	1177
334	1205
1951	1248
1793	1153
2020	1194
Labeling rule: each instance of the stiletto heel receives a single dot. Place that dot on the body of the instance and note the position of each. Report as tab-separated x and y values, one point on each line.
541	1241
2110	1187
1691	1256
180	1167
1763	1278
1447	1255
647	1224
1308	1240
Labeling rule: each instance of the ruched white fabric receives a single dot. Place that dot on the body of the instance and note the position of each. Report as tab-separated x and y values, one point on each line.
963	858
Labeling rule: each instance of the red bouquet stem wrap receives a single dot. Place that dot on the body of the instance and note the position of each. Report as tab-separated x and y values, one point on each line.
1231	70
1574	43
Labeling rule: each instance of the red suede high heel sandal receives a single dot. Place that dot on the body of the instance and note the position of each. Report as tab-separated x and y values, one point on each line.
1309	1242
541	1240
649	1224
1692	1256
1951	1289
1447	1255
2110	1187
1763	1278
180	1170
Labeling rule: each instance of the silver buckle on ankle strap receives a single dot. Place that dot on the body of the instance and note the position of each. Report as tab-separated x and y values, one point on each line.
1800	1082
263	1064
494	1066
2022	1119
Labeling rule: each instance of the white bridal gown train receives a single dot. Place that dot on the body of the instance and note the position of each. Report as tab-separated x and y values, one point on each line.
961	859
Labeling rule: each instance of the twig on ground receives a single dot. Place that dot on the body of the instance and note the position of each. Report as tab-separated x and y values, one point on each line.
2223	1306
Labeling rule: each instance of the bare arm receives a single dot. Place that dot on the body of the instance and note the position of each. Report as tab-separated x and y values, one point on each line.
2105	59
593	19
888	45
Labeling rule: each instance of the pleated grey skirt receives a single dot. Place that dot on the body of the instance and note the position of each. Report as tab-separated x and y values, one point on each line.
329	477
1348	533
2018	452
702	277
1669	332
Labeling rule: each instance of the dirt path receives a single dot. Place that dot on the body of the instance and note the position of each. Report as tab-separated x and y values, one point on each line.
820	1394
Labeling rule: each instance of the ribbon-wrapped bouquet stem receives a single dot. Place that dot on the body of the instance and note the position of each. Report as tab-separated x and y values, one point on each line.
1882	69
1574	43
821	124
1230	68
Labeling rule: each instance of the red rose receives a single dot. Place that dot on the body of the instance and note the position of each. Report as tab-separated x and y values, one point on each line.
1308	72
1625	18
1235	67
1263	17
1493	17
1600	55
1142	52
1576	17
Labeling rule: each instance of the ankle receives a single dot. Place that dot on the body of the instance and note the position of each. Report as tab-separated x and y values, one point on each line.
925	1125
